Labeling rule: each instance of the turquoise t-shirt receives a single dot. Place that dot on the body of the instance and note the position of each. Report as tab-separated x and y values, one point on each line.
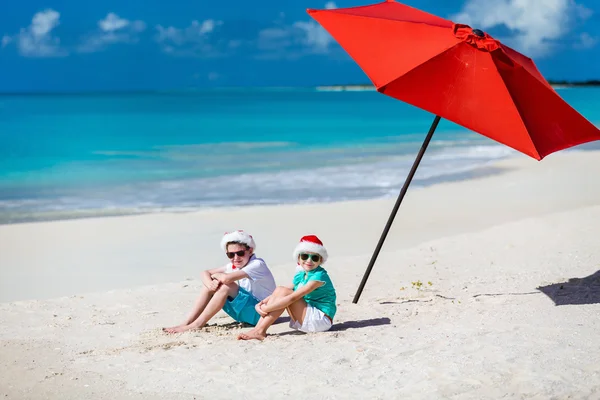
323	297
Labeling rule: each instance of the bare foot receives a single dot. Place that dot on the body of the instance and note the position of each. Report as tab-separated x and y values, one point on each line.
251	334
177	329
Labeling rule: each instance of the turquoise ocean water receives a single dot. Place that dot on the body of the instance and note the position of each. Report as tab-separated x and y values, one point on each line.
64	156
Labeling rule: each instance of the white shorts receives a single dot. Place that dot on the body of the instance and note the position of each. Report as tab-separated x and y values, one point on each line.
314	321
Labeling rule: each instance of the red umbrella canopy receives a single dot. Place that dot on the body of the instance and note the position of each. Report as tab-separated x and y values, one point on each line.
458	73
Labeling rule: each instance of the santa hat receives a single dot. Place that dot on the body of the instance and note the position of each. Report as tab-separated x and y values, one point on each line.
237	236
311	244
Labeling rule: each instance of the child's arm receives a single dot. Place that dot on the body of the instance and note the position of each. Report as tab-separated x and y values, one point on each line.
228	278
285	301
266	299
258	307
207	278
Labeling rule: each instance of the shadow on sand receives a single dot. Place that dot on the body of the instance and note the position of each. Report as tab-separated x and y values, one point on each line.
359	324
346	325
574	291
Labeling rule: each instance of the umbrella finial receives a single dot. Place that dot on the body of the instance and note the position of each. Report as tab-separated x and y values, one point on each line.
475	37
478	32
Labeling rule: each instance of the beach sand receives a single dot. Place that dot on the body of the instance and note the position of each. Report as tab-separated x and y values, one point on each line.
486	288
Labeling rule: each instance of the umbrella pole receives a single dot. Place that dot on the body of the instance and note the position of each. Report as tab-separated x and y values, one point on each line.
396	206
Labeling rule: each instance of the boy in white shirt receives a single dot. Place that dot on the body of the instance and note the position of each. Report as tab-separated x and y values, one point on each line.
235	288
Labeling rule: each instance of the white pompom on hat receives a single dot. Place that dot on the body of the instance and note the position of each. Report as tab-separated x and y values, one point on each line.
237	236
310	244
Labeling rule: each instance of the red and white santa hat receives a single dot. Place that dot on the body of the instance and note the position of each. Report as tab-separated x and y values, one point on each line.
237	236
310	244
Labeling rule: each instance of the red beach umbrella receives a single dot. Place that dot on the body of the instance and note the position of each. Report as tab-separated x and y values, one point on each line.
457	73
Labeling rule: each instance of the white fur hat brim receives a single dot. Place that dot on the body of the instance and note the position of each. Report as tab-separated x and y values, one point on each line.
237	236
308	247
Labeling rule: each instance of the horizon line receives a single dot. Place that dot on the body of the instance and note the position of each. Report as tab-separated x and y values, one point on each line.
588	82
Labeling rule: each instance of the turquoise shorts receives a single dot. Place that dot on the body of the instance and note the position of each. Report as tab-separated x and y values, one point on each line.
241	308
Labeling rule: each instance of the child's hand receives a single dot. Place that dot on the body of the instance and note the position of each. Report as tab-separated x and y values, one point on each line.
214	285
219	277
259	310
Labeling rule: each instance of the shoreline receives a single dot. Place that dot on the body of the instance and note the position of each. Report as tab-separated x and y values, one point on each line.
488	169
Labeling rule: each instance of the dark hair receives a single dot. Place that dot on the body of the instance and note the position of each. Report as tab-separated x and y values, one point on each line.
240	243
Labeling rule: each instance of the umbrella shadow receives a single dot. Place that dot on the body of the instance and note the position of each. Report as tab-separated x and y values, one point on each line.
359	324
347	325
575	291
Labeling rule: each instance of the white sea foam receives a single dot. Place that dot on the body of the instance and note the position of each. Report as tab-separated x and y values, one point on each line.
492	152
373	176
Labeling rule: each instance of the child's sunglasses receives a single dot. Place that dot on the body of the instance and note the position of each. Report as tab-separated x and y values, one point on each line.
232	254
315	257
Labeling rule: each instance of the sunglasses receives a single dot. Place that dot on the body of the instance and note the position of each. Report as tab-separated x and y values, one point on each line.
313	257
232	254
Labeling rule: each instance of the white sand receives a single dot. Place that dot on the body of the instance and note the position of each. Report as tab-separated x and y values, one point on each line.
488	325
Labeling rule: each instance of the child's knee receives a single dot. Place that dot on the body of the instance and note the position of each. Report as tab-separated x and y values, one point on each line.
230	289
225	287
282	290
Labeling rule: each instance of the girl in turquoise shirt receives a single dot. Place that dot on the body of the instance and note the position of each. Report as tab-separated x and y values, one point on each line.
310	300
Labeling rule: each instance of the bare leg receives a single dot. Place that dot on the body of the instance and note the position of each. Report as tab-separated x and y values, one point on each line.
201	302
259	332
296	310
215	304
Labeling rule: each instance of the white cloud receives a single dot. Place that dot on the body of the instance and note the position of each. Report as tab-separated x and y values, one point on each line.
274	39
112	23
112	29
582	11
192	40
193	33
37	40
586	41
315	37
295	40
536	24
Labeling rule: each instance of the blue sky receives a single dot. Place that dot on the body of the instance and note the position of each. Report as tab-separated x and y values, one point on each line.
67	45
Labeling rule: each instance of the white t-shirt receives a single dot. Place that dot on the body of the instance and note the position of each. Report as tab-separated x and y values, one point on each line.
260	282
